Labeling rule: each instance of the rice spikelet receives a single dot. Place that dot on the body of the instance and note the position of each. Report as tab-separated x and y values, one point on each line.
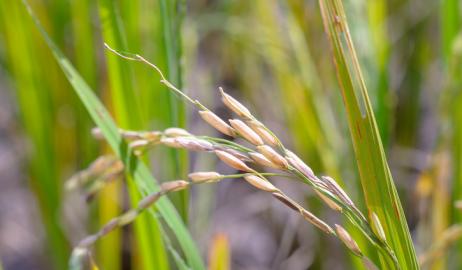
316	221
272	155
263	133
337	190
173	186
347	240
204	177
377	226
232	161
287	201
170	142
217	123
260	183
246	132
298	163
235	105
260	159
333	205
194	144
176	132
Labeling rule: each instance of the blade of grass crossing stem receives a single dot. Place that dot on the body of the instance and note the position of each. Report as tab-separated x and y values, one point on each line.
452	54
220	253
324	120
137	169
379	190
450	25
129	21
301	104
171	15
85	57
128	114
37	114
377	16
456	119
87	66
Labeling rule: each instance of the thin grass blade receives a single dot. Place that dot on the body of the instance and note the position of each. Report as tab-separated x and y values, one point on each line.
379	190
140	173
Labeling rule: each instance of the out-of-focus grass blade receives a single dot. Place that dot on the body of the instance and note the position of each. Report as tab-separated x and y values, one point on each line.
377	17
456	115
85	58
140	173
450	25
379	190
170	22
308	113
87	65
37	112
451	16
128	114
220	253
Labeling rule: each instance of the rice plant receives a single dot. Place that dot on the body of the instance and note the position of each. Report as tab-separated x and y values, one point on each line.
171	174
235	156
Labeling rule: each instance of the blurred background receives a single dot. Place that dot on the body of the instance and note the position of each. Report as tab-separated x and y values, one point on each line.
274	57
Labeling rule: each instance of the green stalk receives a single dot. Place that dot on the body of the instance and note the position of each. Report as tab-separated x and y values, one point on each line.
450	26
170	22
128	115
85	57
379	190
37	111
145	183
451	37
377	19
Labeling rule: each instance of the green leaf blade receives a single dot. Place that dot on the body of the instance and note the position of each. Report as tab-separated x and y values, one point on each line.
140	173
379	190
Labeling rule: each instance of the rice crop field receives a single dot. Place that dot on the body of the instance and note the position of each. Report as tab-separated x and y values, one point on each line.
218	134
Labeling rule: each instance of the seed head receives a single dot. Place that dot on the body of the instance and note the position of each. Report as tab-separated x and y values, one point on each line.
194	144
377	226
262	132
246	132
232	161
87	241
260	183
316	221
337	190
204	177
272	155
130	135
216	122
151	135
138	145
458	204
368	264
111	225
298	163
348	240
263	161
149	200
176	132
128	217
333	205
287	201
173	186
235	105
237	154
170	142
96	133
